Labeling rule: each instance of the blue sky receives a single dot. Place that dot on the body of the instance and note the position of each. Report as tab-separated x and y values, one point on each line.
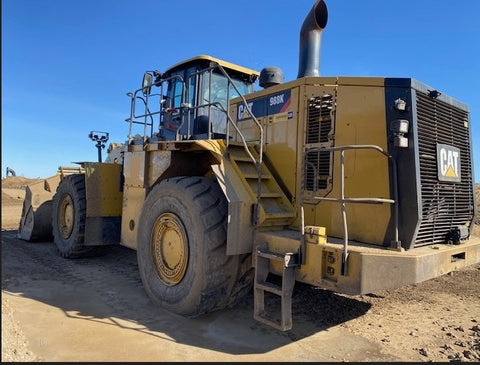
67	65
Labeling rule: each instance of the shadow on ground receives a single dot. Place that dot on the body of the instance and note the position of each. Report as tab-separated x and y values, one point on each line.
108	290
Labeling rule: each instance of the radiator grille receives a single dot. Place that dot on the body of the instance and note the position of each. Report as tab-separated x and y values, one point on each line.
444	205
319	134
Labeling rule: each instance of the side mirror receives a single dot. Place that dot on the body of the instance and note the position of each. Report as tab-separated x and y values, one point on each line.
147	83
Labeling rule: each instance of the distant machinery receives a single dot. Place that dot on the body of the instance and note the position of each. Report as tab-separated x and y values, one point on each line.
11	172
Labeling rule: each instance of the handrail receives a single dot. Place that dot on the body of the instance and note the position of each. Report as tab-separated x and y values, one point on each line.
258	163
230	120
249	111
343	200
147	113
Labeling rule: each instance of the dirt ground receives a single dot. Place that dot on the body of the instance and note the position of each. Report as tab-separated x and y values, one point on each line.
96	310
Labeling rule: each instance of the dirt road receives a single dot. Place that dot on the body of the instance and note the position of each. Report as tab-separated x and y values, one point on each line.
96	310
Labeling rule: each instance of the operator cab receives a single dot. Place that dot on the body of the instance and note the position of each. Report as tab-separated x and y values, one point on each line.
191	101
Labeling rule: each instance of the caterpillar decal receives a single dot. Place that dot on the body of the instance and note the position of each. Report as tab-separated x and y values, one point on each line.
268	105
448	163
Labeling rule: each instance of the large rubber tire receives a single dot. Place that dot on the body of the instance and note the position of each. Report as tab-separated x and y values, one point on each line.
182	247
68	218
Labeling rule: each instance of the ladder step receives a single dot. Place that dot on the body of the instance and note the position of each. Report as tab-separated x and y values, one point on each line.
262	268
281	215
290	259
240	143
282	326
255	176
270	195
243	158
276	223
271	288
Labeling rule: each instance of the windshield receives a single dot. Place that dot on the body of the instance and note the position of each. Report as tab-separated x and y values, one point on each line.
218	92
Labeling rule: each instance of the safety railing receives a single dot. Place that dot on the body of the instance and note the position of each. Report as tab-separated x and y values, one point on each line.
258	164
342	200
147	116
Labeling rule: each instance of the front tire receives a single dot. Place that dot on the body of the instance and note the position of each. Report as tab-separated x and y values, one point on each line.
182	246
69	216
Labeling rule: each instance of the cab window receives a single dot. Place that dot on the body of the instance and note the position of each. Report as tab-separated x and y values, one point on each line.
191	82
177	93
219	85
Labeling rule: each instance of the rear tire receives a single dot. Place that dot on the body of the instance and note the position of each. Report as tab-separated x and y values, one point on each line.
68	218
182	246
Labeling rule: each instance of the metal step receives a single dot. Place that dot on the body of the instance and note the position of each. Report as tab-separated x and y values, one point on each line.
237	152
276	209
270	195
264	176
289	262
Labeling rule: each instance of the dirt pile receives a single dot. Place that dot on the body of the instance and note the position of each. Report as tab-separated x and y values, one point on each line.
436	320
8	199
17	182
13	189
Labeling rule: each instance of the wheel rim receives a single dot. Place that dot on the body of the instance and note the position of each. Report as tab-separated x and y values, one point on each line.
66	216
169	245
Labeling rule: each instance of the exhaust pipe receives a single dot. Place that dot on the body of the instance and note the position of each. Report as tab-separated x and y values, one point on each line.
311	40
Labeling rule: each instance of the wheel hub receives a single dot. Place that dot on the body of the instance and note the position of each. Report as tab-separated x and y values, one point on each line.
169	244
66	216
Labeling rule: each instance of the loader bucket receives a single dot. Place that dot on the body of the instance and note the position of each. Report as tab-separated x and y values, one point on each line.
36	220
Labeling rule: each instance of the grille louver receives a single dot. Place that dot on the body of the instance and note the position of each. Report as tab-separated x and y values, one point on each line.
444	205
318	167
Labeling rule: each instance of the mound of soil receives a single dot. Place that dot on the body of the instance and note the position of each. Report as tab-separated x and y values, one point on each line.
10	200
17	182
12	183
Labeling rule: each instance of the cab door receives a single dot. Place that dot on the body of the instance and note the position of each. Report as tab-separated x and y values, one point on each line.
179	108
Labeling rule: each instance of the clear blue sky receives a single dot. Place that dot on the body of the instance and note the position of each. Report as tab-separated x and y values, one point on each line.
67	65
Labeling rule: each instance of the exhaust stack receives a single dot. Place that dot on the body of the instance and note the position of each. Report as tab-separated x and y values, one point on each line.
311	40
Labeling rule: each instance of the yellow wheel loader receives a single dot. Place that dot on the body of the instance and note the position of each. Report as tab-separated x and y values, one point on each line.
352	184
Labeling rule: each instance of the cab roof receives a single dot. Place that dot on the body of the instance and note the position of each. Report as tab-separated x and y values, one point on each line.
206	58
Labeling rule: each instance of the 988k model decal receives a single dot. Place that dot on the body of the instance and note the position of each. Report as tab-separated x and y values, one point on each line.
267	105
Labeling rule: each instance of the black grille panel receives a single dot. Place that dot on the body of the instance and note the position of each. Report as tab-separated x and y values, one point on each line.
444	205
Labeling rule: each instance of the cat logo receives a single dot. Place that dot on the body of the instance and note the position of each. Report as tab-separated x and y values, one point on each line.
243	112
448	163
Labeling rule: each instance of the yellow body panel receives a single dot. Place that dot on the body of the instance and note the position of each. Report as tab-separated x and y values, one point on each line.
134	194
360	119
282	141
133	198
103	189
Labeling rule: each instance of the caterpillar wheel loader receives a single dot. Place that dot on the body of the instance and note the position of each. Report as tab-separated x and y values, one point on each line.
352	184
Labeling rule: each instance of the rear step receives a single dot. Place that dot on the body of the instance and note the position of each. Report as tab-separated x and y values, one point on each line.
262	269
